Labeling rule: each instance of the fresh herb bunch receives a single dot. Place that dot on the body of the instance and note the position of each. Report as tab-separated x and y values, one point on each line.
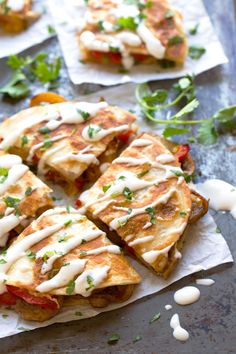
152	103
29	69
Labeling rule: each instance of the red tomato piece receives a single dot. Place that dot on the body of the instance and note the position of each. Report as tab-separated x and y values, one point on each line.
182	152
7	299
125	136
41	301
78	203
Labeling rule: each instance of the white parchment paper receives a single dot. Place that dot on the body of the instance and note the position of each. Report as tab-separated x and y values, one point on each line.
205	248
66	17
35	34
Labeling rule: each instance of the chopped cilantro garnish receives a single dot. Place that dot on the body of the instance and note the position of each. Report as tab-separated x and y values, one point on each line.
101	25
90	282
28	191
151	212
106	187
195	52
47	255
130	23
113	338
83	253
65	264
2	261
24	140
84	115
78	313
68	209
182	213
182	174
194	29
155	318
141	174
67	223
137	339
62	238
31	254
47	143
114	49
51	29
70	287
12	202
218	231
92	131
3	174
122	177
44	130
129	211
170	131
175	40
128	193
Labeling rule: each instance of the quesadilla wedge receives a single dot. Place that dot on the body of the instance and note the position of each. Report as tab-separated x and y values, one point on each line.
63	258
144	198
22	196
130	32
16	15
68	142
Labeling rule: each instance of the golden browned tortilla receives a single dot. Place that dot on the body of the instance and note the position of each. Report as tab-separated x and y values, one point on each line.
16	21
104	20
144	197
62	154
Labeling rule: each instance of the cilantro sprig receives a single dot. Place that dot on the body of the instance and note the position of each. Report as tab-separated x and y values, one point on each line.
157	102
28	69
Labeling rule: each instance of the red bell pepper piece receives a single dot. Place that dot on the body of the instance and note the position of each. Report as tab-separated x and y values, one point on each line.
182	152
7	299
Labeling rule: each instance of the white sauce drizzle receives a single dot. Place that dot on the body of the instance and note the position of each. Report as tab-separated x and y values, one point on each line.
222	195
62	278
168	307
8	160
99	133
16	5
147	225
131	161
80	157
206	282
68	113
115	224
179	333
56	250
41	144
151	256
7	223
153	44
14	174
96	274
187	295
165	158
110	249
196	267
141	142
140	240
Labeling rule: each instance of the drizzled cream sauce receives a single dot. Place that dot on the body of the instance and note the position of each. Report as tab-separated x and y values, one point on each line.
222	195
41	144
141	142
151	256
140	240
99	133
82	157
62	278
206	282
187	295
66	113
96	274
14	174
115	223
179	332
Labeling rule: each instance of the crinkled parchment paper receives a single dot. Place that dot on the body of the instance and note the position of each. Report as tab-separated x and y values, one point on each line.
35	34
67	15
204	246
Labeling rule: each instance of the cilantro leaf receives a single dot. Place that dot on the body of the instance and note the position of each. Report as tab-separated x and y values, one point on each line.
129	23
195	52
16	87
175	40
47	72
156	317
189	108
90	282
31	254
24	140
151	212
207	134
128	193
170	131
194	29
113	338
3	174
28	191
70	287
106	187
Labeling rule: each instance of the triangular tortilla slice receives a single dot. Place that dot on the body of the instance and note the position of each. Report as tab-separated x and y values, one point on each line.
63	254
144	197
127	33
22	196
71	142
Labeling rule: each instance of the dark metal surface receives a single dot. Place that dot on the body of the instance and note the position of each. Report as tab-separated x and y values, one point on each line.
211	321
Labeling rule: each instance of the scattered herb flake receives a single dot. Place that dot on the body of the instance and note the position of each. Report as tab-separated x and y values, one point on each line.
78	313
155	318
3	174
70	287
128	194
24	140
182	213
151	212
44	130
84	115
67	223
194	29
31	254
28	191
2	261
195	52
106	187
113	339
137	339
90	282
175	40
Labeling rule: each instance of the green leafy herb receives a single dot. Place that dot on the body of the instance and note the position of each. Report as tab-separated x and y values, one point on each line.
47	255
31	254
155	318
113	339
194	29
2	261
65	264
182	174
92	131
68	209
90	282
182	213
62	238
24	140
151	212
28	191
106	187
207	134
137	339
5	316
84	115
70	287
122	178
101	25
47	143
195	52
67	223
23	329
51	29
128	193
47	72
11	202
83	253
175	40
78	313
170	131
141	174
130	210
16	87
218	230
3	174
114	49
44	130
129	23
